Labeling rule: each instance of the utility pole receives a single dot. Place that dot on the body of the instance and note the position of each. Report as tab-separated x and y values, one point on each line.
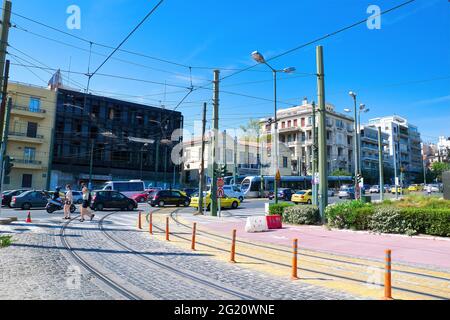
314	156
6	22
381	164
235	160
323	172
394	142
91	164
158	141
260	164
202	163
4	98
3	147
224	146
215	143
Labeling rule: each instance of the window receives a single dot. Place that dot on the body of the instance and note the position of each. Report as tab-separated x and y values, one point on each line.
303	122
289	124
285	162
29	154
27	180
35	105
295	123
32	129
283	125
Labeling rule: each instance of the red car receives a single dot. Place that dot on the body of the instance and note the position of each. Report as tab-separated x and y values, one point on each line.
140	197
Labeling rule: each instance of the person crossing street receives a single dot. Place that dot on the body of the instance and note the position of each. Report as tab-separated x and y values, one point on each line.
85	205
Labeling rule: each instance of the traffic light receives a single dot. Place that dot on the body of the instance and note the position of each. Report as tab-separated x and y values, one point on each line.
8	165
221	171
359	178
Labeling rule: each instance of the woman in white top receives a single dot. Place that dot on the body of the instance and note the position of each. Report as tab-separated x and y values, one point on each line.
68	202
85	206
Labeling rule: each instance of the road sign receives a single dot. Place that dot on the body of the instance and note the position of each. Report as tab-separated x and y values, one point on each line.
316	179
220	193
220	183
278	176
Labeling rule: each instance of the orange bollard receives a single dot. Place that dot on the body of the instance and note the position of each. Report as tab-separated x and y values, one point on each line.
233	248
150	220
194	231
388	276
28	217
167	229
294	260
140	220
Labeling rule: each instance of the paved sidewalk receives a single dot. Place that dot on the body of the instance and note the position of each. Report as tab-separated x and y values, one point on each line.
424	251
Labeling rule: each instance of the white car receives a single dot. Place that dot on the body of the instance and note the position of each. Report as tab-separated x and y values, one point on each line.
234	192
374	189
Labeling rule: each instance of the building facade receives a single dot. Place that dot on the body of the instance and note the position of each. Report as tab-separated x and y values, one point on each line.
370	155
120	140
252	158
32	118
443	149
405	142
295	127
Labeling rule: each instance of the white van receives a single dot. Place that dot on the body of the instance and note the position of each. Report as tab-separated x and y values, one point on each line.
234	192
127	188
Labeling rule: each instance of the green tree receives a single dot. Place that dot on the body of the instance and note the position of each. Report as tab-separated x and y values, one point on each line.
341	173
438	168
251	129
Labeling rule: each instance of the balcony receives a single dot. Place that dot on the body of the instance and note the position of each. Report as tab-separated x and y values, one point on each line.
27	164
27	112
289	129
23	137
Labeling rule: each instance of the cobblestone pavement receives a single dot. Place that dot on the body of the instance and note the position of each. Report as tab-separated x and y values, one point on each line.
38	266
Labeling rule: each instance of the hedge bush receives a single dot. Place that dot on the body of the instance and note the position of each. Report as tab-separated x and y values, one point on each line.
308	215
278	209
390	219
348	215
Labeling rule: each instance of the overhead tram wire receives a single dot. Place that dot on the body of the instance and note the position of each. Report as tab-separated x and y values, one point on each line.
355	24
122	50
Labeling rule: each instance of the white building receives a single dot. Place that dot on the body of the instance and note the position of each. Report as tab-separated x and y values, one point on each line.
252	158
443	149
404	139
296	132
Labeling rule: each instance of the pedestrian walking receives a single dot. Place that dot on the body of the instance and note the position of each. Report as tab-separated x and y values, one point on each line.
86	203
68	201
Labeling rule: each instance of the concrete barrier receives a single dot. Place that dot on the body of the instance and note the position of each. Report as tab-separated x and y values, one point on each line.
256	224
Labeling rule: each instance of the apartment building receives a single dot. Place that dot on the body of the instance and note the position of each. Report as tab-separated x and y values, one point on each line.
296	133
252	158
405	141
443	149
30	137
370	155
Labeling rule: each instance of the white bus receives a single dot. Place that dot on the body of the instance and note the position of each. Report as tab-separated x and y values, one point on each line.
128	188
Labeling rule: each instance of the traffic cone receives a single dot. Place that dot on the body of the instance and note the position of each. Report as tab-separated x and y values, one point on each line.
28	217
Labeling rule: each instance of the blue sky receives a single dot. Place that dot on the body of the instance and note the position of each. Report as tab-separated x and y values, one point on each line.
402	69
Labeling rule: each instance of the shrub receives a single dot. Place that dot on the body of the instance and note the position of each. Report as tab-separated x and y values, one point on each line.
389	219
5	241
434	222
420	201
278	209
309	215
344	215
362	217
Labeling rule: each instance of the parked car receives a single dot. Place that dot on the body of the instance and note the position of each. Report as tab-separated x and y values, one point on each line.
283	194
7	196
225	202
346	193
374	189
234	192
106	199
331	193
140	197
77	197
169	197
190	191
434	188
304	196
30	199
415	188
397	189
387	188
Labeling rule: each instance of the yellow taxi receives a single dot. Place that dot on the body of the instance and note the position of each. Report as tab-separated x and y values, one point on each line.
414	188
304	196
399	190
225	202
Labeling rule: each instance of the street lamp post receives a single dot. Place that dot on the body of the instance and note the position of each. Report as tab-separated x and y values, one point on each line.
258	57
356	143
142	156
